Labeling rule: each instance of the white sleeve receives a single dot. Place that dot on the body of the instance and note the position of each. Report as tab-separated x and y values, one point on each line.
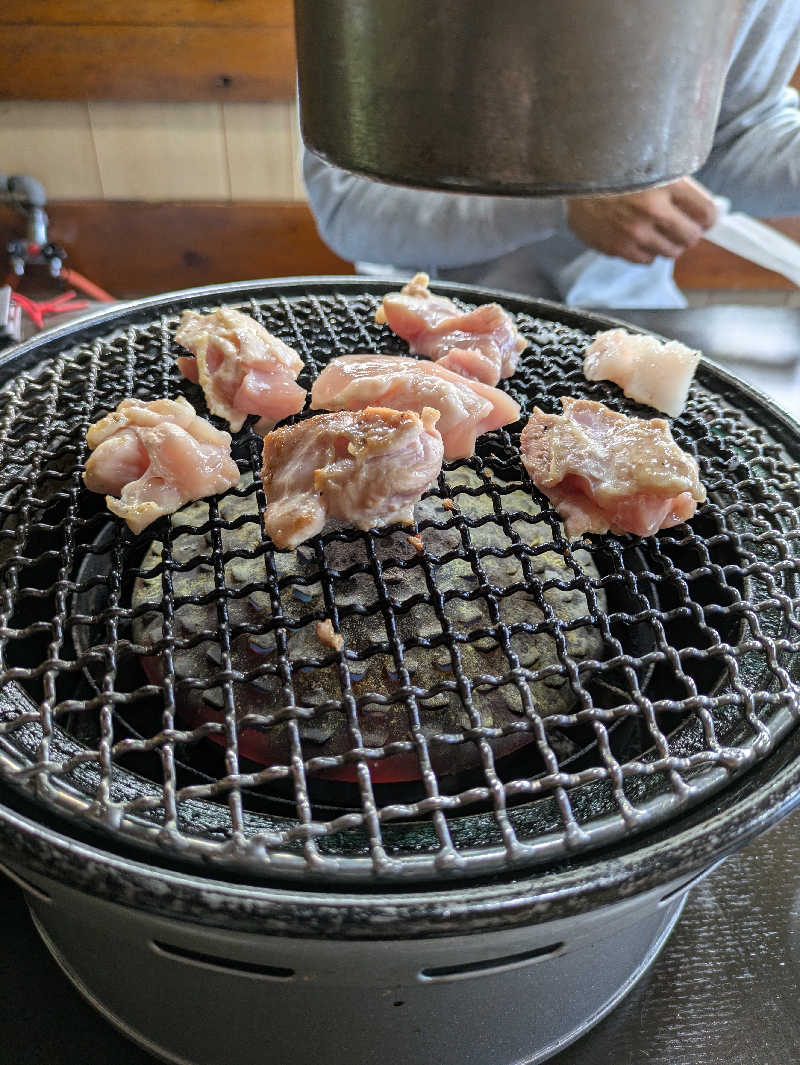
361	219
755	161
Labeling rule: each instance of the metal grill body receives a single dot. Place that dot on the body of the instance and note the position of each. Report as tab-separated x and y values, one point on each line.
210	997
687	678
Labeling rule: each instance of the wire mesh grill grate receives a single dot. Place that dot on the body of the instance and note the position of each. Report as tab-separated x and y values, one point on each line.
503	697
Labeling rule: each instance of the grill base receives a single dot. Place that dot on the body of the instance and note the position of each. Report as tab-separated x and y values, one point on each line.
214	998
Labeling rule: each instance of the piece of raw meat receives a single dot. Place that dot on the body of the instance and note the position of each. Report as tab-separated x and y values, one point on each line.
327	635
241	368
466	408
483	344
603	471
151	458
646	369
366	468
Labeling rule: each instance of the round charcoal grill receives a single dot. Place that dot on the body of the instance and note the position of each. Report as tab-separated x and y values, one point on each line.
502	785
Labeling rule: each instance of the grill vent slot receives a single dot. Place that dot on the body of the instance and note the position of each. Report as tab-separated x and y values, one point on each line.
490	965
226	965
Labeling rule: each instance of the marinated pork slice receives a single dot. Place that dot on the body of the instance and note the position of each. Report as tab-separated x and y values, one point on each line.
483	344
366	468
646	369
151	458
466	408
241	368
604	472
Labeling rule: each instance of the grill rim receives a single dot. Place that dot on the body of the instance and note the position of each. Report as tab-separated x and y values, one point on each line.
781	425
38	345
734	819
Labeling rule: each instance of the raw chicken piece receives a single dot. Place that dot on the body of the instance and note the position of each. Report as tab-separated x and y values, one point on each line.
466	408
155	457
367	468
328	636
646	369
241	368
482	344
603	471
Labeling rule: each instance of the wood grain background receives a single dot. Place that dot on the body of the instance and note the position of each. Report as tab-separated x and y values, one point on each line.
174	50
139	249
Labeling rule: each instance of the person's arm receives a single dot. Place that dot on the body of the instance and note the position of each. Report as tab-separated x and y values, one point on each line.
361	219
755	160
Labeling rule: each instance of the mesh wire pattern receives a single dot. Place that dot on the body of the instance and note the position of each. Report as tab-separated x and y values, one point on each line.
694	676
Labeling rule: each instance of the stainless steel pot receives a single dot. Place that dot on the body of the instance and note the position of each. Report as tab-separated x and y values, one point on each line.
557	96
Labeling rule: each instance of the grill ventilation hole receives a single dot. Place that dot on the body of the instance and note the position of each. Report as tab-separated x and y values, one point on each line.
225	965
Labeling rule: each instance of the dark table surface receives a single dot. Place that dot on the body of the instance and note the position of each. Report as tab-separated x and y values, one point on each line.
724	991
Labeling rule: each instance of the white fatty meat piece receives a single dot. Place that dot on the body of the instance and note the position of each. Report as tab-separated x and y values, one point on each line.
604	472
365	468
646	369
241	368
466	408
151	458
483	344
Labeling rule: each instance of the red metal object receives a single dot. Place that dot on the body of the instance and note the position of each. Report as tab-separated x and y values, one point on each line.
87	287
37	310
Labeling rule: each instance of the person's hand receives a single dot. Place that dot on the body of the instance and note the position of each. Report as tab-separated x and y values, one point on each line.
638	226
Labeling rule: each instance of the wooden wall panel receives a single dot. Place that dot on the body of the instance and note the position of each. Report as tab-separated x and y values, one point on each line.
259	142
150	12
178	50
147	63
136	249
140	150
158	151
51	141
